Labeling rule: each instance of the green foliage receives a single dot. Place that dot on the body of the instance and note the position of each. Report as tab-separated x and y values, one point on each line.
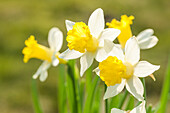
165	91
90	96
35	98
19	19
130	103
62	104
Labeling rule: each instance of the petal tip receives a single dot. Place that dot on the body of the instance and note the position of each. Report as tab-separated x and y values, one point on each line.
34	76
99	9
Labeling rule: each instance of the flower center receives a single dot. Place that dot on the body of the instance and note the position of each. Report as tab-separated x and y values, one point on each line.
80	39
112	70
124	27
35	50
129	70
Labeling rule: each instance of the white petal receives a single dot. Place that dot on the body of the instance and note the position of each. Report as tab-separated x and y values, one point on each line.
114	90
97	71
115	110
149	42
144	34
43	76
118	45
85	61
44	66
69	25
96	22
103	52
109	34
144	68
70	54
118	52
132	51
135	87
108	46
139	109
55	62
55	39
101	55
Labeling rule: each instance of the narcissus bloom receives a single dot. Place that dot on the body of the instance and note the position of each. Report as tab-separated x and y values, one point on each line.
139	109
48	55
119	70
145	38
124	26
87	42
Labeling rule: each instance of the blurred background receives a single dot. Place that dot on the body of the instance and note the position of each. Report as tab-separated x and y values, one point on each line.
21	18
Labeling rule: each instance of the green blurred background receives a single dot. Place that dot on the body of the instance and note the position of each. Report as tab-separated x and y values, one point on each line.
21	18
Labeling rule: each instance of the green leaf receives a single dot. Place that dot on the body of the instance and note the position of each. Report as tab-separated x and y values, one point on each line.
88	79
79	97
149	109
97	100
82	92
114	102
71	87
35	98
165	91
73	80
61	89
106	101
130	103
123	99
90	96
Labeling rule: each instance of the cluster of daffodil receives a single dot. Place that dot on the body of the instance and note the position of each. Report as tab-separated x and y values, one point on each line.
119	64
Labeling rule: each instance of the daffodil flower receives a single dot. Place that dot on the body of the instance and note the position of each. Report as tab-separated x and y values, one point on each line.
87	42
48	55
119	70
139	109
145	38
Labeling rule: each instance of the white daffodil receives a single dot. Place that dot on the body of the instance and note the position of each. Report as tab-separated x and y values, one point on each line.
119	70
87	42
139	109
145	38
48	55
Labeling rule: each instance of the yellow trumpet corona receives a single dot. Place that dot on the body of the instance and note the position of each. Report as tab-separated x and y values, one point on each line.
80	39
112	70
124	27
35	50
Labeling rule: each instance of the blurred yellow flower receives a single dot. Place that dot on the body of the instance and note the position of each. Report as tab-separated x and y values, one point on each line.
124	27
48	55
35	50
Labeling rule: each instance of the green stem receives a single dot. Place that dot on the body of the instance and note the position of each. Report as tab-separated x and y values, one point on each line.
88	79
79	97
35	97
165	90
149	109
130	103
144	85
71	76
123	99
106	101
61	89
90	96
